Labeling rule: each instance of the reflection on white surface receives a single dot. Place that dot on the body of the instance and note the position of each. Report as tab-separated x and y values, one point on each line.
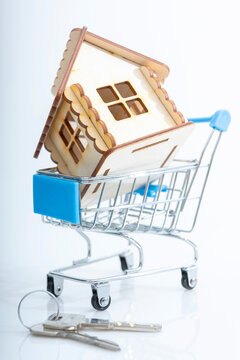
34	345
177	307
159	299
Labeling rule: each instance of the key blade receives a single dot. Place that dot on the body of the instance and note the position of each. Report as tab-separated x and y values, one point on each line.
131	326
38	330
99	324
92	340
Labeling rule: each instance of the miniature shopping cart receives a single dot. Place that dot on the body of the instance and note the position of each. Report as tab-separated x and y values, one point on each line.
157	207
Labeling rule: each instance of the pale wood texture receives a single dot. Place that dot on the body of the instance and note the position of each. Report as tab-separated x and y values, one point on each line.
126	160
60	153
150	152
88	71
86	133
93	114
66	64
85	120
169	105
73	45
160	68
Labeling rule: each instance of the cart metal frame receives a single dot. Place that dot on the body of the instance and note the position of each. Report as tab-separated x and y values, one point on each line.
156	208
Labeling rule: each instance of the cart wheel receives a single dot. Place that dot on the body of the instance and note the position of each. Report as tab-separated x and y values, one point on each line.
54	286
126	261
188	282
101	304
123	261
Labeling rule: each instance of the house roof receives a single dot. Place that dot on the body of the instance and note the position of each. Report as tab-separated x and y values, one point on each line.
77	37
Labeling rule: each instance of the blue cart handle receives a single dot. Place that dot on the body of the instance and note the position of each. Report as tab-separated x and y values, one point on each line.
219	121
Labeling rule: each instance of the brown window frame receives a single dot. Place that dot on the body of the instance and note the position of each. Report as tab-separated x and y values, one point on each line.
125	91
71	137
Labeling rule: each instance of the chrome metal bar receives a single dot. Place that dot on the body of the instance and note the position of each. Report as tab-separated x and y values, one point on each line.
129	202
98	205
110	178
87	261
132	206
84	262
199	163
157	200
129	273
204	184
169	195
114	203
178	204
134	243
143	202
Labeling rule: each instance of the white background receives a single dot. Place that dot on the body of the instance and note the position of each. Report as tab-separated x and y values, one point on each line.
199	40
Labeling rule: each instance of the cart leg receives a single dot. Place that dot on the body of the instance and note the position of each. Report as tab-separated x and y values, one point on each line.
101	298
189	277
54	285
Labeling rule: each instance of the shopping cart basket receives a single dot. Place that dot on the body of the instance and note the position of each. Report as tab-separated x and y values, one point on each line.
157	207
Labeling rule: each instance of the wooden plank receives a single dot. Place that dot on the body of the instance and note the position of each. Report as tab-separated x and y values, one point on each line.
160	68
66	64
123	159
170	106
90	75
69	56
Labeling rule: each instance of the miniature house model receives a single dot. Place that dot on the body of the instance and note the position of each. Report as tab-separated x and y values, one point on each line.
110	114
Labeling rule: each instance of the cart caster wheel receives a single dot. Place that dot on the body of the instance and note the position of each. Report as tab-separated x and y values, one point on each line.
101	304
54	285
189	279
123	261
126	261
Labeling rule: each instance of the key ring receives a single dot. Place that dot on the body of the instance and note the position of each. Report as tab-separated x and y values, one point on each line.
31	293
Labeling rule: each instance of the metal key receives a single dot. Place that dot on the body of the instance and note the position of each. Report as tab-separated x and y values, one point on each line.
75	322
84	338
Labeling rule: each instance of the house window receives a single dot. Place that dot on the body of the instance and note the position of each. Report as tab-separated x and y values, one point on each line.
119	111
75	152
72	137
125	89
70	123
80	140
125	103
107	94
136	106
66	137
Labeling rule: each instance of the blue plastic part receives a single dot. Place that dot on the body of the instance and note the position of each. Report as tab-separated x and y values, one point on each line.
57	198
201	120
152	190
219	121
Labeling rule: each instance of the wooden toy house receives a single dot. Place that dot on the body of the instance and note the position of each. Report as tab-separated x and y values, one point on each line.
110	113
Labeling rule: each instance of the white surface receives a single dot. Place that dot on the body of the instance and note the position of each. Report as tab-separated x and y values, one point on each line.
198	40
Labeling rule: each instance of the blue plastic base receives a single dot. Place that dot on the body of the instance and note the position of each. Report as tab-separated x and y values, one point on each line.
152	190
57	198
